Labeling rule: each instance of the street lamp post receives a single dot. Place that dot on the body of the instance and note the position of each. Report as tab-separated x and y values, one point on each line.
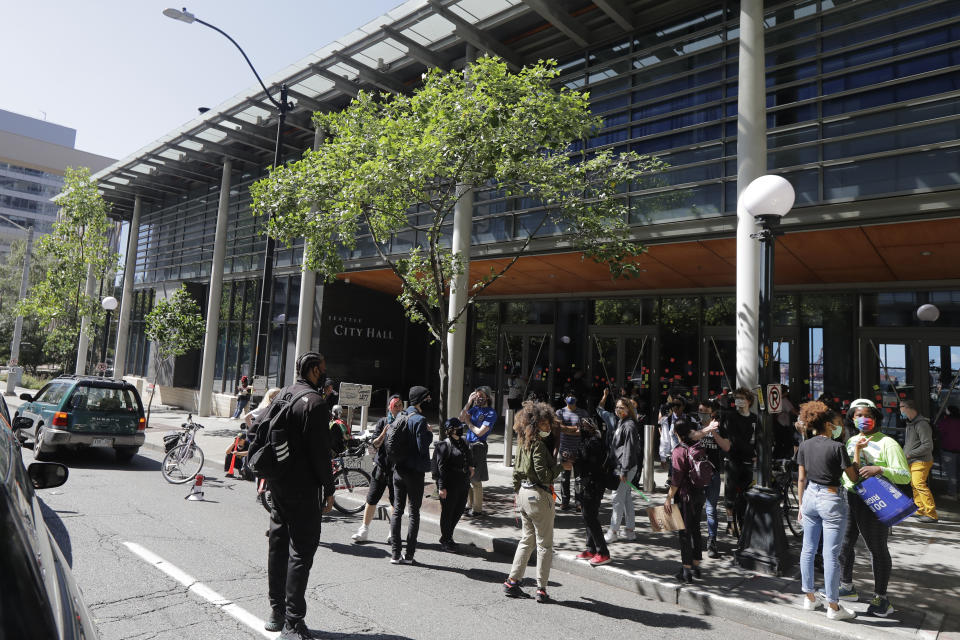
14	370
763	540
266	284
109	304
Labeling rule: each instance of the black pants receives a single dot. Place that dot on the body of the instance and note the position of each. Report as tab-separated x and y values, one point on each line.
407	487
294	537
381	480
565	488
862	522
737	478
691	542
590	500
451	507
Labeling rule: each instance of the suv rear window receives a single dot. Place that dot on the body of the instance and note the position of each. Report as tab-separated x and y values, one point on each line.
102	399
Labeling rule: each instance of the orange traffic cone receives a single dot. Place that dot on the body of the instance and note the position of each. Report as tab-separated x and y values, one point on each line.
196	491
233	459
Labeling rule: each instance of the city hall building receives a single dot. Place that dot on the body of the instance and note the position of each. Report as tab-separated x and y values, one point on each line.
861	116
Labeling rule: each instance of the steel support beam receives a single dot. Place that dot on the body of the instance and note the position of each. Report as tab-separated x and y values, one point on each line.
563	21
416	50
619	12
477	37
372	76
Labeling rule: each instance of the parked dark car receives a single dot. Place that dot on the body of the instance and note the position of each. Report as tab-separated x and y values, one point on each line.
39	597
72	412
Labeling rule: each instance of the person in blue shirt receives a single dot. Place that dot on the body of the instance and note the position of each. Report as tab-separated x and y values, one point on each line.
479	417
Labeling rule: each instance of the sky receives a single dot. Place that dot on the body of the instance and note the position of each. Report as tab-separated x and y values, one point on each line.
123	75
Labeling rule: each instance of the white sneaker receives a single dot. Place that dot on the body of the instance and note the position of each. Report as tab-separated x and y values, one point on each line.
840	614
627	534
811	605
611	536
360	535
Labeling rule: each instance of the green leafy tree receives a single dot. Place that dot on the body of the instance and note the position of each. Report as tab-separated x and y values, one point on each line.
175	326
79	240
398	164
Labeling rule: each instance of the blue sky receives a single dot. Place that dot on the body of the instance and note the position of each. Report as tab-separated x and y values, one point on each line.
123	75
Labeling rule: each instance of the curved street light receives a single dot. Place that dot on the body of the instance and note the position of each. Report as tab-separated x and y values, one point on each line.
282	105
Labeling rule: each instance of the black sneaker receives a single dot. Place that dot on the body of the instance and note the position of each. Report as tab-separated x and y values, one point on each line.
275	623
880	607
542	596
696	572
685	575
296	631
712	550
512	589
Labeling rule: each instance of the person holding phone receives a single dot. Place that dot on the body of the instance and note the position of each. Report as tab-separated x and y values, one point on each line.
479	417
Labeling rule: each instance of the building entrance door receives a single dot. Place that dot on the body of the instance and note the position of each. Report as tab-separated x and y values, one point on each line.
923	364
624	357
718	353
527	353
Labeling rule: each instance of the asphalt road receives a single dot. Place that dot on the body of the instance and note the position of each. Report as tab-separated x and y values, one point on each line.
135	544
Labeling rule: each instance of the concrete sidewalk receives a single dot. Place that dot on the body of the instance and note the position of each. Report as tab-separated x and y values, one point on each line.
925	587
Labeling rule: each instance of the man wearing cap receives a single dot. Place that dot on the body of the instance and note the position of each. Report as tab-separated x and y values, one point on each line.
382	476
408	477
297	495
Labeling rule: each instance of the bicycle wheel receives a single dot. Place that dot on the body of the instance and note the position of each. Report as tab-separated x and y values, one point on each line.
788	507
182	463
355	482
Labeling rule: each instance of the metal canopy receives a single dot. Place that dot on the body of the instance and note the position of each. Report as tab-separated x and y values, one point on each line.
389	53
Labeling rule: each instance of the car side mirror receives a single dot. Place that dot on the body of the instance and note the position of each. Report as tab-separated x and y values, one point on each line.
46	475
26	396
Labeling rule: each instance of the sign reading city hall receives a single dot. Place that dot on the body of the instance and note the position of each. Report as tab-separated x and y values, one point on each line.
345	326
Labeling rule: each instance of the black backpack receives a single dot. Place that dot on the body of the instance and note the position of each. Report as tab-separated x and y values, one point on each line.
399	441
269	449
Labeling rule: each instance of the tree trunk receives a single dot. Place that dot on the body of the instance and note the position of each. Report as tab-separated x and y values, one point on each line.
153	391
444	374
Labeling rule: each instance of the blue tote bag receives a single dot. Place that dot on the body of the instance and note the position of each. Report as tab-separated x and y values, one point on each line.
885	500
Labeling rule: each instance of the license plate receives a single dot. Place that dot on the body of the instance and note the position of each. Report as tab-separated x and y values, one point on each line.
102	442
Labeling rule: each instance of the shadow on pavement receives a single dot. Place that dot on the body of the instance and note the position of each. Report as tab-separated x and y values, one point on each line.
104	459
647	618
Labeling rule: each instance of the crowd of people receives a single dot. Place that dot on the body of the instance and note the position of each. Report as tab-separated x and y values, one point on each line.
705	448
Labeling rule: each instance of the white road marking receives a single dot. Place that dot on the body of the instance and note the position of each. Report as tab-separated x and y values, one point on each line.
202	590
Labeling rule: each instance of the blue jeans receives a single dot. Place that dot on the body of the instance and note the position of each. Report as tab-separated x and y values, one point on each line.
713	499
824	511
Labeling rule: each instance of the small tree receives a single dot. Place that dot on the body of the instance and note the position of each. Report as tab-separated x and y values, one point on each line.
79	239
175	326
398	163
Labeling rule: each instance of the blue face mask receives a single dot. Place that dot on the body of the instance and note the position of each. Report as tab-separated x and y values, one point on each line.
570	400
904	416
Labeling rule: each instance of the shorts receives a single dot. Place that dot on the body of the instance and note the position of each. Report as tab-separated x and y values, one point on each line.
379	482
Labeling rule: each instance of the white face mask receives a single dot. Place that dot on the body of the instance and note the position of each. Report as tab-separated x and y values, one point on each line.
544	434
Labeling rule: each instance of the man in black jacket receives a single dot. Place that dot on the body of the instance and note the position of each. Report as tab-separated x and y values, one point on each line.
408	477
297	496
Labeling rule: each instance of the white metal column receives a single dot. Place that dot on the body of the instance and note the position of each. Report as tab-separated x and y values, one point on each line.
751	164
308	286
215	293
126	298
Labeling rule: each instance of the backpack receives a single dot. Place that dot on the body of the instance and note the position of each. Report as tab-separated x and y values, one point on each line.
269	450
701	469
399	441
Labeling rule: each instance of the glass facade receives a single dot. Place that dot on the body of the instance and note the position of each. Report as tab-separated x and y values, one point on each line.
25	197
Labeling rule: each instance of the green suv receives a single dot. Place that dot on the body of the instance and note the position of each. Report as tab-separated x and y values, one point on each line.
72	412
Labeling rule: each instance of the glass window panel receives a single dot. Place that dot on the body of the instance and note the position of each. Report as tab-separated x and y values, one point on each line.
687	204
855	30
794	136
653	85
711	152
608	104
883	73
632	311
679	121
890	95
889	141
719	311
677	103
792	157
528	312
694	136
890	118
908	172
806	185
491	230
795	115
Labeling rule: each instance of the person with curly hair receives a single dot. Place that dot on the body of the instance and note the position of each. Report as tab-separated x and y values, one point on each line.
534	470
823	506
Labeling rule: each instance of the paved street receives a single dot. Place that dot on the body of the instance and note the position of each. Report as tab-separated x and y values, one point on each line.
106	512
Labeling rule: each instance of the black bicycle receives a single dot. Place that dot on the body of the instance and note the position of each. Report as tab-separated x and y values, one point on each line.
348	477
785	482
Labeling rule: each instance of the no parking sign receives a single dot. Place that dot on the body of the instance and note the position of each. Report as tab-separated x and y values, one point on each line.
774	398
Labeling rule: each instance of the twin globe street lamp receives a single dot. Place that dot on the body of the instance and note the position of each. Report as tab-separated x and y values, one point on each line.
266	285
763	539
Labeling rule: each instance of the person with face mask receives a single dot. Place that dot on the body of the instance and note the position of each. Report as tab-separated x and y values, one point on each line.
570	416
740	428
452	466
381	478
478	416
668	436
592	480
534	470
879	455
918	448
408	477
822	504
708	435
624	442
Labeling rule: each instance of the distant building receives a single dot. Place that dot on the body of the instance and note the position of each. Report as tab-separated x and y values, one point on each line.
34	155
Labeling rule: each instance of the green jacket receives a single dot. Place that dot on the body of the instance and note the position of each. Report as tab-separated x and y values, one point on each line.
883	451
537	465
